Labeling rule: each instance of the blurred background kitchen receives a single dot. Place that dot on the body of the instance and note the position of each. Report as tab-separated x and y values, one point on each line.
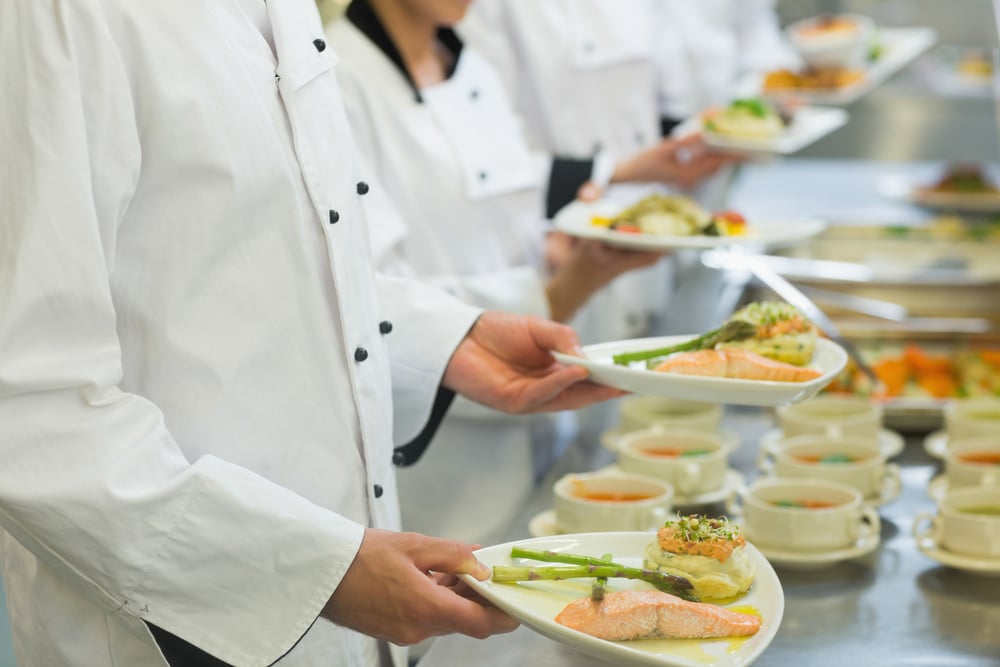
945	271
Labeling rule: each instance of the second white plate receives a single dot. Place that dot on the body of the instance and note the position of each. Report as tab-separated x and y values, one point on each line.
537	603
808	125
829	359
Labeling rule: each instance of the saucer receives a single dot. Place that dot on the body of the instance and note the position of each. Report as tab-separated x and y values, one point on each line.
890	443
811	560
937	487
974	564
732	481
936	444
609	439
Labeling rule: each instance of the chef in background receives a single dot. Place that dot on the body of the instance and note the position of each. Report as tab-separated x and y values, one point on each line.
200	375
447	147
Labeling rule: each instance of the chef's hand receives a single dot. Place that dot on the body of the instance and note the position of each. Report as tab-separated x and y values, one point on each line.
684	162
402	587
505	362
580	267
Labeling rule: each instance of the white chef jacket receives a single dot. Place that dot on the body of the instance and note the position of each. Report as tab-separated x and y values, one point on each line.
455	160
195	399
709	51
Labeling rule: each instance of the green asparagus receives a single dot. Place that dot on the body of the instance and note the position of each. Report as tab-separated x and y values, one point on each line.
585	567
733	330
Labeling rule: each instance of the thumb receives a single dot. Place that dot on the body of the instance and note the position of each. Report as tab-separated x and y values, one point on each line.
554	336
449	557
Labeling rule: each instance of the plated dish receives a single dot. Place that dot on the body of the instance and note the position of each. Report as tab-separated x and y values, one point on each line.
591	220
738	129
828	361
894	49
536	604
961	187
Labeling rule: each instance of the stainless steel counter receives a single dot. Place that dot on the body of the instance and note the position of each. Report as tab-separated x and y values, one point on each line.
893	607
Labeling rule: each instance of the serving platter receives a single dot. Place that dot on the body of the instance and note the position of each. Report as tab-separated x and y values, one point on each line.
829	359
536	604
809	124
576	219
899	47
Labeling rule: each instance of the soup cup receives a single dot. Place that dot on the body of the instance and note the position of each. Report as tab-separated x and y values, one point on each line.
694	462
973	461
856	462
972	416
807	514
833	416
967	522
611	501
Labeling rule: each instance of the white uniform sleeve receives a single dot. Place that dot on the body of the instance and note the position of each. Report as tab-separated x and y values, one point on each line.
91	480
427	326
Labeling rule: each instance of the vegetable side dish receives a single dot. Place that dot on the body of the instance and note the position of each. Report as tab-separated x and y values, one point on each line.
751	118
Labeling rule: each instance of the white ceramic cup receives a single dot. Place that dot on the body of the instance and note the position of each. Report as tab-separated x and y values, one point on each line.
834	416
972	533
973	461
611	501
642	412
807	515
856	462
840	48
694	462
972	416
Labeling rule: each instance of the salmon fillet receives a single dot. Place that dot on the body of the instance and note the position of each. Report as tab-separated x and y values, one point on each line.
625	615
735	363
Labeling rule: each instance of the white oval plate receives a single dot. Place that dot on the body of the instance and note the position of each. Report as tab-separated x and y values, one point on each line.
575	219
537	603
808	125
829	359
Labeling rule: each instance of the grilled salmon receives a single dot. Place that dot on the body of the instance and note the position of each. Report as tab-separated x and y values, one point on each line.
735	363
625	615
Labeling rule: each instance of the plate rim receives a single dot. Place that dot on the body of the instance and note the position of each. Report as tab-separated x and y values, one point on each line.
621	651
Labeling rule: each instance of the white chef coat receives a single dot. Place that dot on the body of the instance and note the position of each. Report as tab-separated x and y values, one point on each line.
456	161
195	399
710	49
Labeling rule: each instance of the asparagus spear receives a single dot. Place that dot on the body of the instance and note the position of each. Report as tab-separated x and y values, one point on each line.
733	330
587	566
600	587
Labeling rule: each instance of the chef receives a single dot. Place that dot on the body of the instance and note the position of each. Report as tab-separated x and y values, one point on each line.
447	146
583	75
195	357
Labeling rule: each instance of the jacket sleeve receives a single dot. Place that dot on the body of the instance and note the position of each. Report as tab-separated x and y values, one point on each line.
91	480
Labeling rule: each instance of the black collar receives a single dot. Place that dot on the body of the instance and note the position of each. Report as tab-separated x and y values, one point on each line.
364	18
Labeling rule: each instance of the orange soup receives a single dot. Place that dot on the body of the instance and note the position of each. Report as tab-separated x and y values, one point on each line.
673	453
612	496
836	457
981	458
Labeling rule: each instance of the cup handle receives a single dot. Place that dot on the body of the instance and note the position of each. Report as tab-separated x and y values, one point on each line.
891	482
871	522
690	473
926	525
655	518
735	502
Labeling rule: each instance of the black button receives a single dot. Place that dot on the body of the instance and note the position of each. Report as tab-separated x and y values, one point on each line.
384	327
378	490
398	458
474	94
360	354
320	45
483	175
334	216
362	188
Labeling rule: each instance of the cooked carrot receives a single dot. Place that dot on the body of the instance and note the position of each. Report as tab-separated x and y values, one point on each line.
922	363
938	385
894	373
991	357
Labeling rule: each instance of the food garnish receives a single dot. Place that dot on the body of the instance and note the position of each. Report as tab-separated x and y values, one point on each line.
586	567
707	551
